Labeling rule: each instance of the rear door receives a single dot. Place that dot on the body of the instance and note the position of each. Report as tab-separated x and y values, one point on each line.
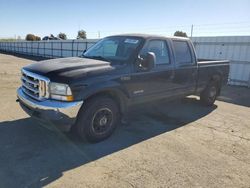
186	70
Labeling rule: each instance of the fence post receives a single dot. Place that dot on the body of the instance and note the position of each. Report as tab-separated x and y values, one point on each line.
32	47
61	49
38	45
22	46
72	54
44	49
51	49
77	48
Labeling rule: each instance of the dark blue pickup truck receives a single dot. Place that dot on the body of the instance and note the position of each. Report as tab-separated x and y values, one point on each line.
91	93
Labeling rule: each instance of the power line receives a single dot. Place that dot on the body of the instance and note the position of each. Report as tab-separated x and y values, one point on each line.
222	23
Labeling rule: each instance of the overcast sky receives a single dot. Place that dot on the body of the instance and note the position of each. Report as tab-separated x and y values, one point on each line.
211	17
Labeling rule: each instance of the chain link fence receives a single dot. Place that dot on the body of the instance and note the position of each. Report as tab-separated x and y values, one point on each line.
234	48
51	49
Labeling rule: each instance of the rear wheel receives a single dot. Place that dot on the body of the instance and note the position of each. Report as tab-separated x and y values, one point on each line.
208	96
97	119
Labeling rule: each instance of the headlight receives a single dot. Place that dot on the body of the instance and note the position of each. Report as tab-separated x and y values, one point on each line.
60	92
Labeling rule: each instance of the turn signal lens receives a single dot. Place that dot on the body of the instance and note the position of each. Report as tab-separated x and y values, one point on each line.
70	98
63	98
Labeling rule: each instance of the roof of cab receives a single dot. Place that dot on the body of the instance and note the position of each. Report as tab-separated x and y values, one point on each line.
149	36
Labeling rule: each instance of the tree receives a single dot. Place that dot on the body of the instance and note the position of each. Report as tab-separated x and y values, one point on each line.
38	38
62	36
180	34
81	34
32	37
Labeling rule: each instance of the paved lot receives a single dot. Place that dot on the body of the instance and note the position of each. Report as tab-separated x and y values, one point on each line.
177	144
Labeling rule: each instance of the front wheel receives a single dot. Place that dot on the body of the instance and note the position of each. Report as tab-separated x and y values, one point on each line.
97	119
208	96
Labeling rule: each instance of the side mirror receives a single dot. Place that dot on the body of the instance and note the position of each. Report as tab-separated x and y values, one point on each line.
148	62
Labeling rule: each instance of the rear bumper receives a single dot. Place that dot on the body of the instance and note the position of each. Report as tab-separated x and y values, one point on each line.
61	114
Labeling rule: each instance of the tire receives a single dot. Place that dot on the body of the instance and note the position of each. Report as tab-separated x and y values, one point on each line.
97	119
208	96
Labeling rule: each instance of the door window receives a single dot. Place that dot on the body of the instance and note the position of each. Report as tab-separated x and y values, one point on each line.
160	49
182	52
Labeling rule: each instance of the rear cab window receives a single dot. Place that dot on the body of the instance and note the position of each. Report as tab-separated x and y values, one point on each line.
182	51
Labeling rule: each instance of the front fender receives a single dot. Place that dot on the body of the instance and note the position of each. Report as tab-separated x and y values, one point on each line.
113	89
111	86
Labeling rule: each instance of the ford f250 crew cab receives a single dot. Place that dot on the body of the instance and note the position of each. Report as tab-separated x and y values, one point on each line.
92	92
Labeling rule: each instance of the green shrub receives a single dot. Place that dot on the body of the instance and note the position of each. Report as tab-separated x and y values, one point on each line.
81	34
32	37
62	36
180	34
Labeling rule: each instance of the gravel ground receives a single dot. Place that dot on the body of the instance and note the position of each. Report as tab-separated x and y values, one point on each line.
166	144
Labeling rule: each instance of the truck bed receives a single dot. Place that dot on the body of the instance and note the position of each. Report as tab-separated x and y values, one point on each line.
209	67
211	61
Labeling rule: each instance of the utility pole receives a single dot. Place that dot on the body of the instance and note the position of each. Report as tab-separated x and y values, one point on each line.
99	34
192	28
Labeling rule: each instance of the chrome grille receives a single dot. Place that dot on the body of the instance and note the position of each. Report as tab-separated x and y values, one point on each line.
34	85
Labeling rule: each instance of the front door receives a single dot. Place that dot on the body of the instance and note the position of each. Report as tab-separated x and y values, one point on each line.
157	82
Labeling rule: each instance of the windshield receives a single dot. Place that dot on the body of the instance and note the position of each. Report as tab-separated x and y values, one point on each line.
117	48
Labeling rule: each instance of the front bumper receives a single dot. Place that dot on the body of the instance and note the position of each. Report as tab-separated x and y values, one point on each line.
61	114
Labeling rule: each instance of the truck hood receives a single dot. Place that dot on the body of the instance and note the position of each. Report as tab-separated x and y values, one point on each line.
66	69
